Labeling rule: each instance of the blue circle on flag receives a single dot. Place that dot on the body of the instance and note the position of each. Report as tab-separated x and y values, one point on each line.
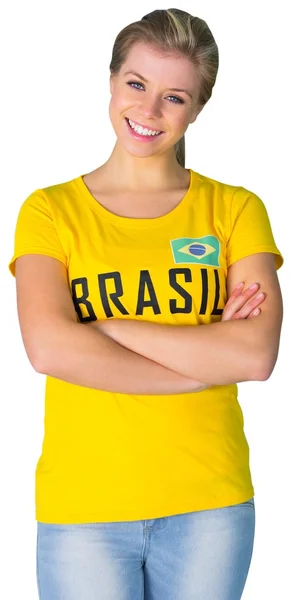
197	249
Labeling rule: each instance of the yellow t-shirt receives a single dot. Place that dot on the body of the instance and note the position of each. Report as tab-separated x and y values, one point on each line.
124	457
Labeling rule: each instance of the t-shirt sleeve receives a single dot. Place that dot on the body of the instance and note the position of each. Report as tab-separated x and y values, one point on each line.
250	229
35	231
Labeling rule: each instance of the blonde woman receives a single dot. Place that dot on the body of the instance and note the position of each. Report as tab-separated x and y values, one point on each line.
143	486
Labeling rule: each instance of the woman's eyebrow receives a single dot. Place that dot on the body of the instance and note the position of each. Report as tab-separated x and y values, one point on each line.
146	81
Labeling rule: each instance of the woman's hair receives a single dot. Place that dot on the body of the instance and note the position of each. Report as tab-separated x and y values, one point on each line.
175	32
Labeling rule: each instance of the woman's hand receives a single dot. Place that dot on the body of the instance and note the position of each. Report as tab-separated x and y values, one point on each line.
241	305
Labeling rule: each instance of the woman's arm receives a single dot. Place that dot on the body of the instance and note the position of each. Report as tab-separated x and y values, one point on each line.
85	357
58	346
221	353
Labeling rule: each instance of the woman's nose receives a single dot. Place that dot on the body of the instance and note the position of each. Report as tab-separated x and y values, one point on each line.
151	108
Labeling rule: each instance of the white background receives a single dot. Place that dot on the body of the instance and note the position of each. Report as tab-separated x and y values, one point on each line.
54	126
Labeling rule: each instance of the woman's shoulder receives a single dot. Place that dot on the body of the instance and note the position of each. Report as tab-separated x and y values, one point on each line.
216	183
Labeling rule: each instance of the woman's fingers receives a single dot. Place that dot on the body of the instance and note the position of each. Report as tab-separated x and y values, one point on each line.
254	313
241	297
236	292
238	300
249	307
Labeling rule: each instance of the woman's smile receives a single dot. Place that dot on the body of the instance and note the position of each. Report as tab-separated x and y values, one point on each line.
137	134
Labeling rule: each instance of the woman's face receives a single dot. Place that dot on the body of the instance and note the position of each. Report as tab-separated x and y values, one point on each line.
153	104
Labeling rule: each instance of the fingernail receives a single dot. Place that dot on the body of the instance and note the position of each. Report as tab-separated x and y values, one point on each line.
253	286
239	285
260	295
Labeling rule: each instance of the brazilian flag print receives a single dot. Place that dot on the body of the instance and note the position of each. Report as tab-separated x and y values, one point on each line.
200	251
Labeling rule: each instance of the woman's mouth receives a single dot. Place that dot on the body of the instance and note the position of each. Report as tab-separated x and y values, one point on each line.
146	137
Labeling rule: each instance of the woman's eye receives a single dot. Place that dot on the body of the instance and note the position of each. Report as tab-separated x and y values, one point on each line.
180	101
177	100
134	83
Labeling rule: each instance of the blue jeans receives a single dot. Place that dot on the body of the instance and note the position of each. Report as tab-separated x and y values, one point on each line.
201	555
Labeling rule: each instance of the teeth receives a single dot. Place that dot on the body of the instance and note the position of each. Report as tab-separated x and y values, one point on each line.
141	130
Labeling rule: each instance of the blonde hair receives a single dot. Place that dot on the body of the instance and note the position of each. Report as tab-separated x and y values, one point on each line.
173	31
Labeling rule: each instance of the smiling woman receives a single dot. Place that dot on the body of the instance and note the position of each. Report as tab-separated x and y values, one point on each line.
128	302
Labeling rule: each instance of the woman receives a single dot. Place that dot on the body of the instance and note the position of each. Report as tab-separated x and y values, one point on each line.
143	485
